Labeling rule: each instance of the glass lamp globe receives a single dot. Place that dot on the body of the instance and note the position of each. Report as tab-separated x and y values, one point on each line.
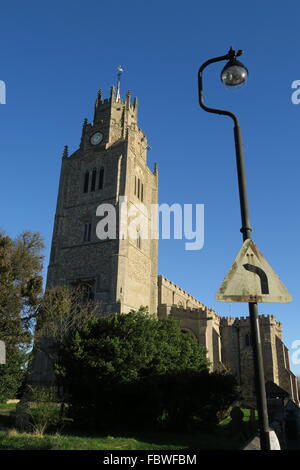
234	73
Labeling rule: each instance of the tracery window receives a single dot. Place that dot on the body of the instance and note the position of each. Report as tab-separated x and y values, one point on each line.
86	182
93	183
101	178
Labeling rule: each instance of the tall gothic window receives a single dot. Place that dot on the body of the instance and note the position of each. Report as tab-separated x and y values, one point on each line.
138	239
139	188
248	339
93	183
101	178
87	232
86	182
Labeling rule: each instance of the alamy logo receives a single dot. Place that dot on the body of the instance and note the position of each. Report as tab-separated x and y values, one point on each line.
296	353
295	98
2	92
137	222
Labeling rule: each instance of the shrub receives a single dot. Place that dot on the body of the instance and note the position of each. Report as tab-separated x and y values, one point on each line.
134	371
42	409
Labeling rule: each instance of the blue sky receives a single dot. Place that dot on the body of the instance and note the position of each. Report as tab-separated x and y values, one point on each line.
54	57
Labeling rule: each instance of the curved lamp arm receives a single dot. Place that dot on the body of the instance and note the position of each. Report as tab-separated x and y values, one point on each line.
230	55
246	227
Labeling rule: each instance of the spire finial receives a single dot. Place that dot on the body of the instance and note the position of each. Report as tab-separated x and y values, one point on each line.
83	132
99	98
66	151
119	75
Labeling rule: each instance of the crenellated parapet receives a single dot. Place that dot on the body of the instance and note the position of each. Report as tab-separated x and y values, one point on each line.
264	320
171	294
121	109
116	119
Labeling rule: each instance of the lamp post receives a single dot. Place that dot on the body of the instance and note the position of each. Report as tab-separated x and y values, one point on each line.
235	73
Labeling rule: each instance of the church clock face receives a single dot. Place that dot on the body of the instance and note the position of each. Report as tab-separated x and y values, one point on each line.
96	138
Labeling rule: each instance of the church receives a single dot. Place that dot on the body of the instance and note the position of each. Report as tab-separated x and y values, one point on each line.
121	273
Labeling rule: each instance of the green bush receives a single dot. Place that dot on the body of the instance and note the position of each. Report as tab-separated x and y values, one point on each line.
42	408
12	373
134	371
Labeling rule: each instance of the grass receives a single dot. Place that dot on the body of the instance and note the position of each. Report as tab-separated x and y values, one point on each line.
10	439
246	418
20	441
7	406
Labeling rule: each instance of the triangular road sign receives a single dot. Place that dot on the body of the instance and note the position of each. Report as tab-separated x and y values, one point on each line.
251	279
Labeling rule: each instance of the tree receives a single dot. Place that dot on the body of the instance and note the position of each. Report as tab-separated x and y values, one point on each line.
20	290
127	347
60	313
112	367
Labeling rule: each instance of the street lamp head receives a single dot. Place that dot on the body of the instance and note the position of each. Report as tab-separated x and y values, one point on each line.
234	73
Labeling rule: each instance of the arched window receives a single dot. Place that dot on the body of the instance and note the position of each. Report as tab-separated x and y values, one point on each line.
142	192
83	291
86	182
248	340
189	332
93	183
101	178
87	292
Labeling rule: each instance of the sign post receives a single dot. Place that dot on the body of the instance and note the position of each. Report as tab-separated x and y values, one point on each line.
251	279
261	284
2	353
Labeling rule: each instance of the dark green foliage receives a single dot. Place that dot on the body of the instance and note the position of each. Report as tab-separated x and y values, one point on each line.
60	313
126	348
12	373
20	288
43	409
201	395
134	371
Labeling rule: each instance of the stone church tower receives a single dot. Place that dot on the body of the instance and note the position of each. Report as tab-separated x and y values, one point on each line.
110	164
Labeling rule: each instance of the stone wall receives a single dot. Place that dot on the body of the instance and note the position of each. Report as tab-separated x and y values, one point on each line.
193	316
228	340
237	353
171	294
